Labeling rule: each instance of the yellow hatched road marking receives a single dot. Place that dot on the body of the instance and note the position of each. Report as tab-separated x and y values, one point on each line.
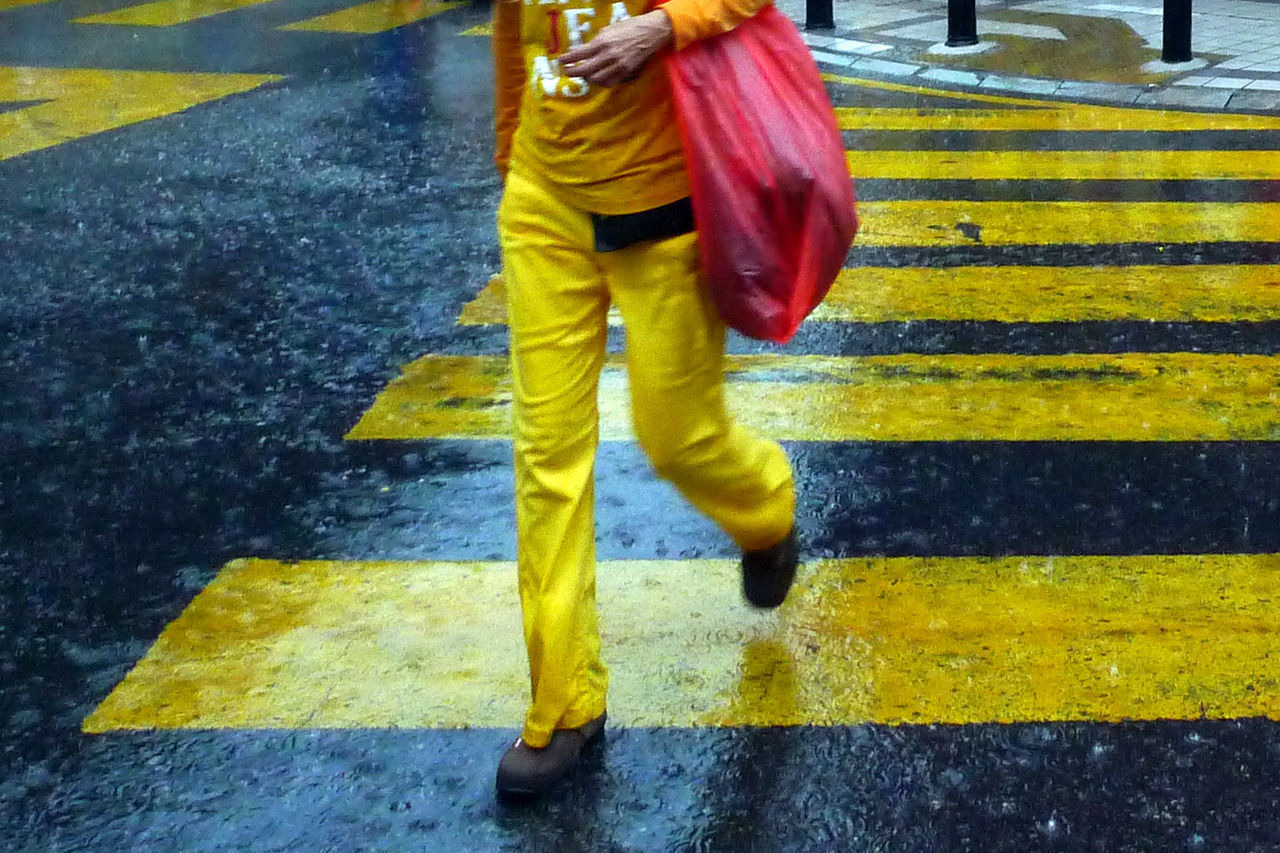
884	640
1040	223
489	307
1066	165
80	102
1029	114
997	397
168	13
1054	294
1074	119
1015	294
376	17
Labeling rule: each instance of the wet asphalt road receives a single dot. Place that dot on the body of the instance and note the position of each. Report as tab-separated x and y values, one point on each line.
194	311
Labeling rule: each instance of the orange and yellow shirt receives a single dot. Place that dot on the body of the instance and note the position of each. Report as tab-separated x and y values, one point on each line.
609	149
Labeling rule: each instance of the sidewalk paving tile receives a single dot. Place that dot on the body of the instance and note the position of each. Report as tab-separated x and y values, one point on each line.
1256	100
949	75
1209	98
881	66
1022	84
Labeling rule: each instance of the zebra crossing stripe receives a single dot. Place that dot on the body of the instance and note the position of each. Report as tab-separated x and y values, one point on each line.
885	640
1017	294
168	13
1077	118
988	397
1030	294
375	17
1015	165
1053	223
1013	113
77	102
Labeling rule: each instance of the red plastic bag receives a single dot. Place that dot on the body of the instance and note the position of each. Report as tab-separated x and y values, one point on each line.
772	197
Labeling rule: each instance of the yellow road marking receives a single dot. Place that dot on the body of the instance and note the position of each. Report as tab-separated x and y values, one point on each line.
1040	223
168	13
5	5
1066	165
1054	294
1083	47
485	29
1013	294
884	640
1076	119
1029	114
1127	397
80	102
489	307
375	17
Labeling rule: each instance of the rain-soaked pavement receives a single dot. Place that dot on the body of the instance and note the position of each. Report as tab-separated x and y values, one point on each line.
1038	487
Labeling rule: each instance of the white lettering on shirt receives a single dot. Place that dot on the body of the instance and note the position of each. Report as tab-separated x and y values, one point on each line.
548	81
578	23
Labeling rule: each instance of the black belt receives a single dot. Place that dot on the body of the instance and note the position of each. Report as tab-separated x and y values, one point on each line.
660	223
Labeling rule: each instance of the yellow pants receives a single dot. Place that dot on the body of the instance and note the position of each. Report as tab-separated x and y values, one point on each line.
559	290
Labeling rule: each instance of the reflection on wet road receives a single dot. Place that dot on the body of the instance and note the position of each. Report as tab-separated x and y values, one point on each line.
255	520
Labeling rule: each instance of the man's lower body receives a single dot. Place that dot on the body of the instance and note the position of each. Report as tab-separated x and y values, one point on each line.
559	292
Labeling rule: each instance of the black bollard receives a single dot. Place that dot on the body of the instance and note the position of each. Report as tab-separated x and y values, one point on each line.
1177	31
818	15
962	23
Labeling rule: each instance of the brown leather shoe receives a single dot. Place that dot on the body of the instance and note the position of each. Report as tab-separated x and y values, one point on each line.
527	771
767	574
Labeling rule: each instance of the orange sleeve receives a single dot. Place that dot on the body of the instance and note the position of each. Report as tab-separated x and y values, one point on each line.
508	77
693	20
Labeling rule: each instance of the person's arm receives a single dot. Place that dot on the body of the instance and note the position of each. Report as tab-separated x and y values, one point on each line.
620	50
509	76
694	20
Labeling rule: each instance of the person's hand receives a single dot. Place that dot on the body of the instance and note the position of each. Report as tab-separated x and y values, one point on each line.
620	50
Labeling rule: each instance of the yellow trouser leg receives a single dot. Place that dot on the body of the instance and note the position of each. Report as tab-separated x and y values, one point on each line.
559	291
557	305
675	354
